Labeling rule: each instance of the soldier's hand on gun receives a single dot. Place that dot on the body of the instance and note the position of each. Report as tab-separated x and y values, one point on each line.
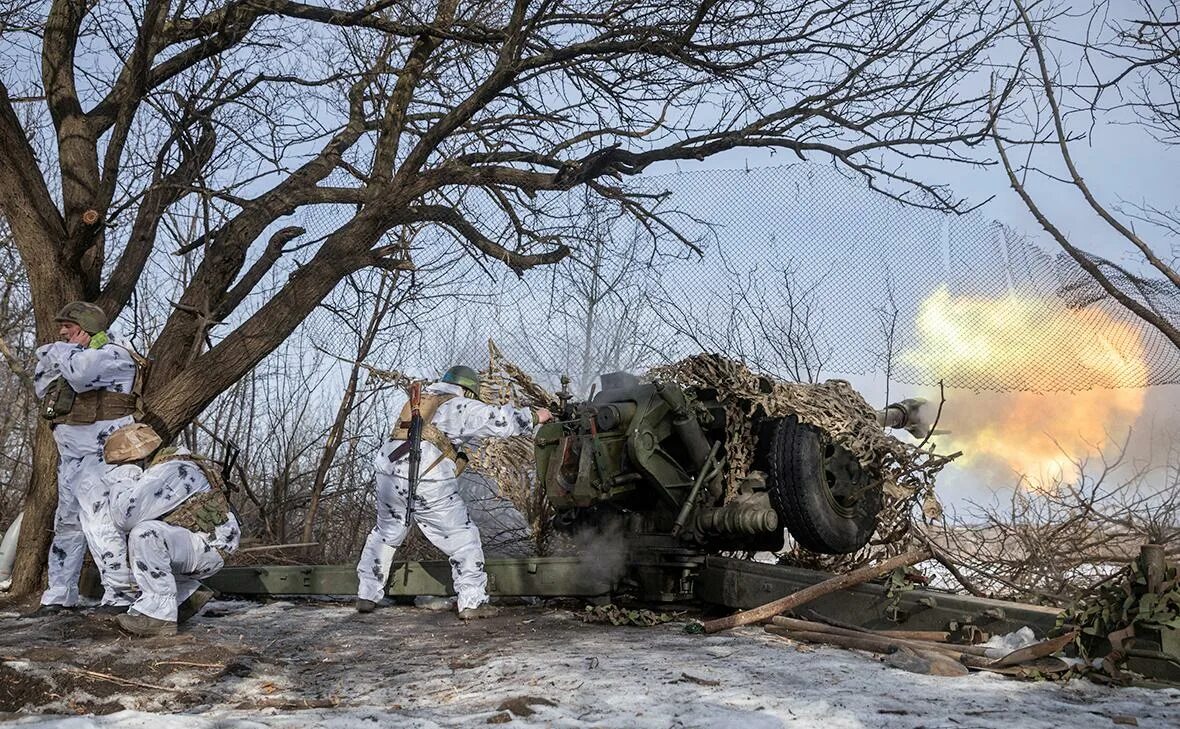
543	415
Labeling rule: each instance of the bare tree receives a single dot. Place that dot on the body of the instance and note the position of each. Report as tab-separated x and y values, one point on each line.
1143	45
1054	541
772	320
597	306
17	419
403	113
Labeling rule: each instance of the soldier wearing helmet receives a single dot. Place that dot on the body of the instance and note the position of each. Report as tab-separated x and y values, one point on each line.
453	417
178	524
87	387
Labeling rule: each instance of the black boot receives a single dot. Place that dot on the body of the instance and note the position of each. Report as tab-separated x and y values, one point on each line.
365	606
46	611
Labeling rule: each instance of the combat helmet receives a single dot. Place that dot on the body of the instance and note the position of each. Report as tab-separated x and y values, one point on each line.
131	443
89	316
464	377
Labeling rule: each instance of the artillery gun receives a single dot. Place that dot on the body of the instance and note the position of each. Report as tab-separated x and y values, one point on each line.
653	457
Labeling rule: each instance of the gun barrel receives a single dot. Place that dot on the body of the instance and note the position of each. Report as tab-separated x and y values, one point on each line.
905	415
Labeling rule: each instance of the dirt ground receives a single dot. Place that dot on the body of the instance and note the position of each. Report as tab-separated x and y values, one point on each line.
320	664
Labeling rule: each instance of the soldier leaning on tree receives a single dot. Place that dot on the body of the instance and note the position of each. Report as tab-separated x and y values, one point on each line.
88	388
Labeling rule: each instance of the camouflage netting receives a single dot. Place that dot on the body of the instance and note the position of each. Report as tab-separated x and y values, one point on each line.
907	470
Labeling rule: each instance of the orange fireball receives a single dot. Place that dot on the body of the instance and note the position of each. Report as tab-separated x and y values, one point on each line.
1034	348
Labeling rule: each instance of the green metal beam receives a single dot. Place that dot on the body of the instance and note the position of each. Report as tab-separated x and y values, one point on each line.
506	577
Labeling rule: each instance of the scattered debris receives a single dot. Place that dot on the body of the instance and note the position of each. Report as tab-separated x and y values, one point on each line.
616	615
936	658
928	663
290	704
315	652
699	681
1138	608
523	705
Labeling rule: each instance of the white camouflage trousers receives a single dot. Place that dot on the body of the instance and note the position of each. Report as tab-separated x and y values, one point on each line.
442	516
83	517
168	562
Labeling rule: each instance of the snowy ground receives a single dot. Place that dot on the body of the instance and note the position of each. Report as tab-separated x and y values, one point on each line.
529	667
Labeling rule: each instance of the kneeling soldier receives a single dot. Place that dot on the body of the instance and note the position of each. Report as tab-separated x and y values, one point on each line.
178	523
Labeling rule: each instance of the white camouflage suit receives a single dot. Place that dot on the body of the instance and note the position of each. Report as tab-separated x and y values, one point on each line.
168	561
81	515
439	511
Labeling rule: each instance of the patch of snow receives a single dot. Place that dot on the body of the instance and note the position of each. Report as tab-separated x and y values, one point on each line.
406	667
999	646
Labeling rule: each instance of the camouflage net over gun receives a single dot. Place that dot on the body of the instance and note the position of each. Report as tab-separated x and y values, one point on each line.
510	463
906	470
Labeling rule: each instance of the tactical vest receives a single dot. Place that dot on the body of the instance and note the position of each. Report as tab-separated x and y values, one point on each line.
204	511
430	432
62	404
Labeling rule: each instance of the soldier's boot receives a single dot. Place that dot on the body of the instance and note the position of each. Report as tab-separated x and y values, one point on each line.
48	611
483	611
365	606
138	624
193	604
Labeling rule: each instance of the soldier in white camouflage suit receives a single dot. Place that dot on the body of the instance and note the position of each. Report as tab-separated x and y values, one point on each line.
85	383
452	416
178	523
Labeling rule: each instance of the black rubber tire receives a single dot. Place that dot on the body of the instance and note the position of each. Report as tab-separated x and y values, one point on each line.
821	493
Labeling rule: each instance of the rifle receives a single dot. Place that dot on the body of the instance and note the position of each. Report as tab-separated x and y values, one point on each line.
227	465
415	441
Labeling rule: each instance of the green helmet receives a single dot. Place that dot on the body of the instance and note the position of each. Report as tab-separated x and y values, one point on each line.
89	316
464	377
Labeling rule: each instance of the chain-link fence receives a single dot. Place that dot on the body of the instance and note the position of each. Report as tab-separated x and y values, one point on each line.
798	271
801	271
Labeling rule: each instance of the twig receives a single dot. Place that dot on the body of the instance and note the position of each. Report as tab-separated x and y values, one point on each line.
119	679
950	566
267	547
218	666
14	363
937	415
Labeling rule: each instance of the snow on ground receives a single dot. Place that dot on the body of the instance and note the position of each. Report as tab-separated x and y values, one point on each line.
529	667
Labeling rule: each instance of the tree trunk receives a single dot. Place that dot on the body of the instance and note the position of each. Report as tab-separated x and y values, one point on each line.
51	287
28	573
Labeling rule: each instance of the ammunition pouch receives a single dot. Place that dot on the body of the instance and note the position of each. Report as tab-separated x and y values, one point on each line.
95	405
58	400
201	513
205	511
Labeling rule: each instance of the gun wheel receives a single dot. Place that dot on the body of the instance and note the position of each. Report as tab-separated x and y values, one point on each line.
822	494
